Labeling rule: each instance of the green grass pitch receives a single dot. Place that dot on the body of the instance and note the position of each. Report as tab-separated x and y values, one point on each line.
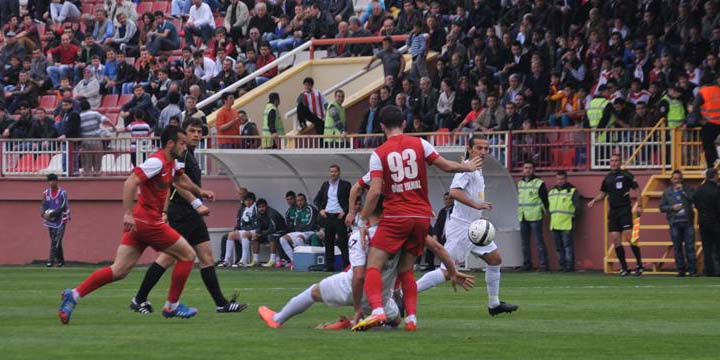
576	316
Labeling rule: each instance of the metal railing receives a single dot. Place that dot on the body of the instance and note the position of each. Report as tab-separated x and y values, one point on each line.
567	149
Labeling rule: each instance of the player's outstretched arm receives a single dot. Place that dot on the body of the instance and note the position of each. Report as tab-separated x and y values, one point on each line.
467	282
358	280
456	167
129	190
355	192
459	195
597	198
194	201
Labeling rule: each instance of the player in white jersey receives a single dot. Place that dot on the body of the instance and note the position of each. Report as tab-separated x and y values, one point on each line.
346	288
468	192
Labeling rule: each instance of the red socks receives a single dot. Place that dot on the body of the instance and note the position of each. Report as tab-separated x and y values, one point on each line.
96	280
410	293
373	287
180	274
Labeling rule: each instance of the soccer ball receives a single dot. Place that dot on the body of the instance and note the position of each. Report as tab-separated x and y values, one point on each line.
48	214
481	232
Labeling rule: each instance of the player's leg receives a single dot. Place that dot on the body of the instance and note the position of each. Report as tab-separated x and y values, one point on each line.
491	255
409	288
125	258
295	306
51	258
614	235
255	248
626	235
245	237
153	274
273	239
185	255
230	255
287	245
457	245
209	278
60	255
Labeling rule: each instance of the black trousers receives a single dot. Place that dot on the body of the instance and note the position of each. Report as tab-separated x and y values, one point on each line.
711	249
335	226
56	249
709	133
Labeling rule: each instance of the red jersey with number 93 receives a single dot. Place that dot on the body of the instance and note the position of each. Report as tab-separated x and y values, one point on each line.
401	162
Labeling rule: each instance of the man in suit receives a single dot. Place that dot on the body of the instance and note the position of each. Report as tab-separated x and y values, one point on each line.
333	202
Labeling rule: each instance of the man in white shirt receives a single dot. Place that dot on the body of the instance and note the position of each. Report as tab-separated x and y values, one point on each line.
204	66
200	23
468	191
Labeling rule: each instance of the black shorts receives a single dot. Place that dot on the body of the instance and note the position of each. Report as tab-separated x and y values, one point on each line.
191	226
620	219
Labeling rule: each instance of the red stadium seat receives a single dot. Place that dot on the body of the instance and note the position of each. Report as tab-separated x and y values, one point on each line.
87	8
109	102
113	118
48	102
219	22
25	164
442	139
124	99
144	7
163	6
41	163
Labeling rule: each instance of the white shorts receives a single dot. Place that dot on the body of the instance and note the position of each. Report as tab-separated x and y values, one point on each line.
243	231
459	246
336	290
300	238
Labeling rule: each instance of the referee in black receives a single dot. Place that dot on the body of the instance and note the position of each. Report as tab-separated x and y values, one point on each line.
617	186
185	214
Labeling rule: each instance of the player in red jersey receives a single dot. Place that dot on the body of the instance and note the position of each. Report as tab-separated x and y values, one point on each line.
398	169
144	226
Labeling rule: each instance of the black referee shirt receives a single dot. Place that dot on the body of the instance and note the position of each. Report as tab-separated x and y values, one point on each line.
617	185
192	170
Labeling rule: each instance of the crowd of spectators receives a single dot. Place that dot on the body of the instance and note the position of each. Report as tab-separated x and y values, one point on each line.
501	65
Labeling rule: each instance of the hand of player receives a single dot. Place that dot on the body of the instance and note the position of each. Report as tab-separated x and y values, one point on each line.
323	213
677	207
591	203
473	164
208	194
638	209
341	214
129	222
364	237
203	210
467	282
485	206
350	218
164	217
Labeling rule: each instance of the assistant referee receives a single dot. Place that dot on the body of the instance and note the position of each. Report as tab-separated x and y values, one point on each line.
185	214
617	186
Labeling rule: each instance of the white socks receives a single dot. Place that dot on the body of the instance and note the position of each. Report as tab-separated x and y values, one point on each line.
287	248
245	250
273	257
492	280
378	311
75	295
430	280
230	252
296	305
256	257
171	306
411	319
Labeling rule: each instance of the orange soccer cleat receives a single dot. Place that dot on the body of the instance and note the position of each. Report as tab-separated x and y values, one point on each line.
267	315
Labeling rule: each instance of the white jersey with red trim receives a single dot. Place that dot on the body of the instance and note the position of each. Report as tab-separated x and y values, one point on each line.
156	174
401	162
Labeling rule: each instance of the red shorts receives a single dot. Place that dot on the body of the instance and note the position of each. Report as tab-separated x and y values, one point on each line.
157	236
407	234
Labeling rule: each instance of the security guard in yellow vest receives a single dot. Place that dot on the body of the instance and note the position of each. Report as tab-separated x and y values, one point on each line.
272	123
564	205
532	202
335	121
672	108
599	114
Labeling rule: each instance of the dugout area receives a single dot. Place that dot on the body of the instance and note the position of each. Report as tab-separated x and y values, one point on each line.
274	172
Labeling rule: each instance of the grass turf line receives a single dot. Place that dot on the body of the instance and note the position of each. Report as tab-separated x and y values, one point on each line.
561	317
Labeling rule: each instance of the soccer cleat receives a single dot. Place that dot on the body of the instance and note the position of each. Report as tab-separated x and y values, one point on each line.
223	264
370	322
232	305
144	308
252	264
49	264
280	263
66	306
341	324
639	271
410	326
267	315
502	308
182	311
269	264
60	264
624	272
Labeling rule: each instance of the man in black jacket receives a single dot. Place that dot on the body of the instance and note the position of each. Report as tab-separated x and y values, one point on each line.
332	201
271	226
707	203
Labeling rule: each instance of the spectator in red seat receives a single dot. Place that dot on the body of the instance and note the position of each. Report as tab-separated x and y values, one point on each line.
237	18
265	58
126	33
221	41
25	90
262	20
88	88
126	75
65	57
164	37
200	23
62	10
225	77
141	101
44	127
204	66
493	117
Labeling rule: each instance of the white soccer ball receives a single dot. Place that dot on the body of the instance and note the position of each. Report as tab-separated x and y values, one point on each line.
481	232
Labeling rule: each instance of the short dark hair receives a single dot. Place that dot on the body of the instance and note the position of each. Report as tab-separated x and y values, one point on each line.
677	171
290	193
711	173
529	162
170	133
226	95
261	201
52	177
192	121
391	117
336	166
301	195
274	96
562	173
84	105
309	80
250	196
